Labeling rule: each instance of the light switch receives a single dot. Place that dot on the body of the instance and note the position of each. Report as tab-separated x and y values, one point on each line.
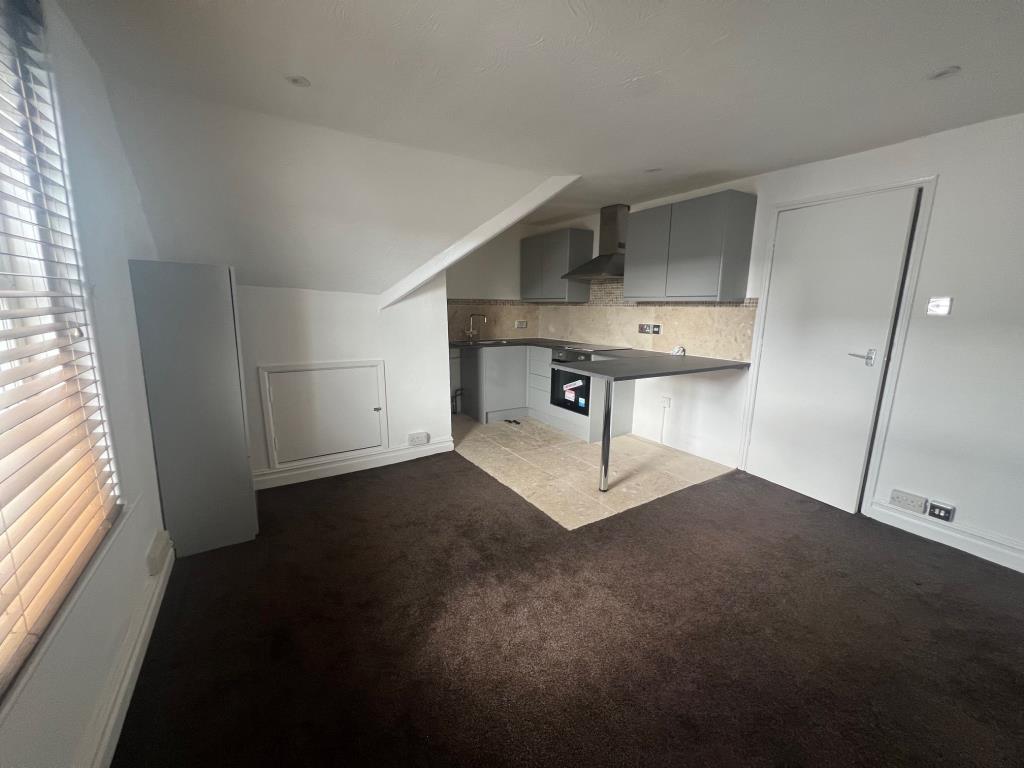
940	305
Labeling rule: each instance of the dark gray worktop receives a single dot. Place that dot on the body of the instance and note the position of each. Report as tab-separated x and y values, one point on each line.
532	342
648	366
625	364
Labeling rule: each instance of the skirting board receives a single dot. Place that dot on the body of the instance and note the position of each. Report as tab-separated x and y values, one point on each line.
271	478
1006	553
111	719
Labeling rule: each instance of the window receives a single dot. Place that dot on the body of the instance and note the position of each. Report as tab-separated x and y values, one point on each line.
58	490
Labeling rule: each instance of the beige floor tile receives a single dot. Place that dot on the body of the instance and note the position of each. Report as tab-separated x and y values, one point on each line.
554	461
514	442
522	477
559	474
692	468
480	449
565	505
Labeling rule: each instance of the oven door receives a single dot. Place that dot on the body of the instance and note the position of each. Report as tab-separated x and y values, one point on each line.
570	391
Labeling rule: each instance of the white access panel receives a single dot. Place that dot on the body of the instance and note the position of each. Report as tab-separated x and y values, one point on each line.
317	411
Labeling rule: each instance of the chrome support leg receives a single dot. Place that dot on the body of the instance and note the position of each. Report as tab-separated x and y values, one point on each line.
606	433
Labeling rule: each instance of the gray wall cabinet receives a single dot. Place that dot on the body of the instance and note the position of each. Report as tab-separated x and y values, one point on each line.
545	258
647	253
695	250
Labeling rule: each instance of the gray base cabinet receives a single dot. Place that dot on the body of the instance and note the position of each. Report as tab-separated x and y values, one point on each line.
543	259
515	382
576	424
493	383
695	250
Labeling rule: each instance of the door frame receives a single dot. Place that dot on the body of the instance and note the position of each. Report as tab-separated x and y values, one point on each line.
899	323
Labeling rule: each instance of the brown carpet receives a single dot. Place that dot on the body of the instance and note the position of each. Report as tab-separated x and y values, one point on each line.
423	614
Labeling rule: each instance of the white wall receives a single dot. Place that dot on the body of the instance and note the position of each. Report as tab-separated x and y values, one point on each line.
296	205
287	325
492	270
489	272
55	713
957	419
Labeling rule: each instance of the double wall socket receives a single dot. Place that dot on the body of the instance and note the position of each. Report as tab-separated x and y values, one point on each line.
520	323
922	506
908	501
650	328
419	438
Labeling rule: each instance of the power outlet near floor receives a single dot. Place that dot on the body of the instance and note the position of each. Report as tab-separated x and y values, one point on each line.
520	323
650	328
419	438
941	511
908	501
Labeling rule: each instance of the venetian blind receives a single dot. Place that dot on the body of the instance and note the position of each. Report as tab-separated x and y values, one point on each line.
58	490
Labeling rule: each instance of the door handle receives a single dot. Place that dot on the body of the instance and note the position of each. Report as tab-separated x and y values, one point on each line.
869	358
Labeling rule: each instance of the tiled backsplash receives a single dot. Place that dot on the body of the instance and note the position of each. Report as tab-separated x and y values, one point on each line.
723	330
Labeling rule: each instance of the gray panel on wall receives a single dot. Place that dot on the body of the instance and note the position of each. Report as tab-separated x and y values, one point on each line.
741	210
190	363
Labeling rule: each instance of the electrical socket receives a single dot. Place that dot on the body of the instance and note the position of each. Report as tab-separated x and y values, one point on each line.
520	323
419	438
908	501
666	401
656	329
644	328
941	511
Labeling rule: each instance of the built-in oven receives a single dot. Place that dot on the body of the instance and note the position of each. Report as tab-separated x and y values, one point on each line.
569	390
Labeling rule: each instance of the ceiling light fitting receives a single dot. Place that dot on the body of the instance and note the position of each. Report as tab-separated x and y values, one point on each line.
945	72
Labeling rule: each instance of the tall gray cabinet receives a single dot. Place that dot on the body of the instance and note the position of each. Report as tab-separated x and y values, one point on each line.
694	250
186	319
545	258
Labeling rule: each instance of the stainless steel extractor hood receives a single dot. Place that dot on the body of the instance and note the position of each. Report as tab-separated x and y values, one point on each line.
611	250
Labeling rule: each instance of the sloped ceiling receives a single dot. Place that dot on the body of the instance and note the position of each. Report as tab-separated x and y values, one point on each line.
295	205
706	91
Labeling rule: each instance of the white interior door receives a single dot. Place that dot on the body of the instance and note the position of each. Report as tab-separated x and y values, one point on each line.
834	285
324	411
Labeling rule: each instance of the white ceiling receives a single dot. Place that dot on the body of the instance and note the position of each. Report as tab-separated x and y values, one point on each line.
706	90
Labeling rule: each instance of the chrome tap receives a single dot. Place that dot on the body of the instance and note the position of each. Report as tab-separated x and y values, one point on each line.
471	332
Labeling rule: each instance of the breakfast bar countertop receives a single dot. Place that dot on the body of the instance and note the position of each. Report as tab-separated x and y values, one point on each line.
647	366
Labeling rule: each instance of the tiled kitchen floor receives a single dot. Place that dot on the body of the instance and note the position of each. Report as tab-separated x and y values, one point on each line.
558	473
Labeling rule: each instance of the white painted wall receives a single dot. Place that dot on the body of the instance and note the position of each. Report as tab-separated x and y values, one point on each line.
957	416
287	325
492	270
56	712
489	272
296	205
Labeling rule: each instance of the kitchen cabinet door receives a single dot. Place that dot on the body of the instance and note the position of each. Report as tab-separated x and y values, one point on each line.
709	247
531	268
555	264
647	253
546	257
695	248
